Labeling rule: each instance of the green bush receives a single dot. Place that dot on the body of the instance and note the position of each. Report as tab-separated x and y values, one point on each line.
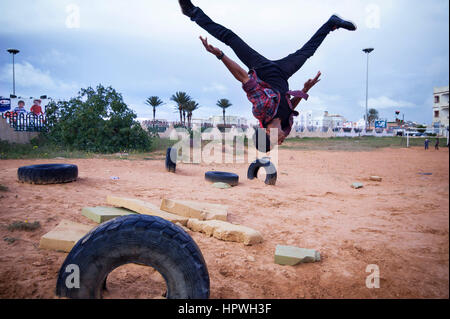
96	121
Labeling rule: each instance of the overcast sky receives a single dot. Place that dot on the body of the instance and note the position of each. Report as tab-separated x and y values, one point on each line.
147	47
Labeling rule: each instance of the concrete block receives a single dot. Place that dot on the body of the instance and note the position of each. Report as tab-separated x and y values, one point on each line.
64	236
357	185
226	231
194	209
145	208
376	178
103	214
221	185
288	255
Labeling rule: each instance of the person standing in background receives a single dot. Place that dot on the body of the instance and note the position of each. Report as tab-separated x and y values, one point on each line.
437	144
427	144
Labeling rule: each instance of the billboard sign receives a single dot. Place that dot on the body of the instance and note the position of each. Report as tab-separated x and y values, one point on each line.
5	105
380	124
347	124
11	104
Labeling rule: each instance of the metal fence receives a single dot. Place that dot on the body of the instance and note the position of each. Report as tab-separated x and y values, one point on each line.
25	122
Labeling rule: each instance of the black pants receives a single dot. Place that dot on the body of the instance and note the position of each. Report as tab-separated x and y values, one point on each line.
276	73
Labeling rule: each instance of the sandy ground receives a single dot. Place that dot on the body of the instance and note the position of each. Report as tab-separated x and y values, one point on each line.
401	224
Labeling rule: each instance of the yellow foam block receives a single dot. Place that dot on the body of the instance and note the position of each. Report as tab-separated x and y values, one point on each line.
195	209
226	231
64	236
145	208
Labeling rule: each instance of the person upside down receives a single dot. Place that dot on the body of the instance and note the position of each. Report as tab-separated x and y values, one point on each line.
266	84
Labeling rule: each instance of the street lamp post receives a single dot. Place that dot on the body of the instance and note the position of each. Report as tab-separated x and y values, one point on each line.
367	51
14	52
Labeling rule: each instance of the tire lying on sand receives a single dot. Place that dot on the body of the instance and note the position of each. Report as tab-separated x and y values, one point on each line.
139	239
171	160
48	174
271	171
222	177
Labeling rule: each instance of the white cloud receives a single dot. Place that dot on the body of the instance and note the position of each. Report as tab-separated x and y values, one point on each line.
437	66
28	76
384	102
56	57
321	102
216	87
162	19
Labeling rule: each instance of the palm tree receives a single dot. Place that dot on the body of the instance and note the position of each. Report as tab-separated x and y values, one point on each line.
224	104
154	102
190	107
181	98
373	116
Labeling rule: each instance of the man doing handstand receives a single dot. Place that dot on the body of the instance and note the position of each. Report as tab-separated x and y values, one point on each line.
266	84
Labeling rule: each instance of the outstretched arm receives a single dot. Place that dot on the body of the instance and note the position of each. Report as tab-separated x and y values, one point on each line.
308	85
239	73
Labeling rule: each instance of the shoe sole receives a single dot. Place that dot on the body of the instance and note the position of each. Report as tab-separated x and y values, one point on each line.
354	24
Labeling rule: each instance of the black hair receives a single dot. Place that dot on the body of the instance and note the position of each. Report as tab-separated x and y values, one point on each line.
23	102
258	139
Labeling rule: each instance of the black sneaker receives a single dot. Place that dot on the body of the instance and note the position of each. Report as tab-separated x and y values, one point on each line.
187	7
338	22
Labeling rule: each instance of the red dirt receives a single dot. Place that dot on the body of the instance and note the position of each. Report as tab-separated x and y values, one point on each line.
400	224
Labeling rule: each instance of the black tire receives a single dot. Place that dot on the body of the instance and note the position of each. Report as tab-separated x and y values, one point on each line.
48	174
271	171
171	160
222	177
138	239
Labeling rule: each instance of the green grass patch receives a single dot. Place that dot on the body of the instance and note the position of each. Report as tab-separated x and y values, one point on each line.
38	149
41	148
161	144
24	226
367	143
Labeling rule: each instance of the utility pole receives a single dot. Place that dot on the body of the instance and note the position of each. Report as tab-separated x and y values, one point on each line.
14	52
367	51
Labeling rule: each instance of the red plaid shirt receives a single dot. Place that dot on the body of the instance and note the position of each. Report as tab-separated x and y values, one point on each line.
266	101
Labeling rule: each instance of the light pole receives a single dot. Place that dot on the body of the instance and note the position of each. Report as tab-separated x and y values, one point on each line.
14	52
367	51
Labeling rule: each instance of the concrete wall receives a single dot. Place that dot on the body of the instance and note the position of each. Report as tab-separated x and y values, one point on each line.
7	133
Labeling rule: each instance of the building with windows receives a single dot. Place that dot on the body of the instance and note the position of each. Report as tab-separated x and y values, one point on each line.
334	121
440	111
329	121
202	122
304	120
229	120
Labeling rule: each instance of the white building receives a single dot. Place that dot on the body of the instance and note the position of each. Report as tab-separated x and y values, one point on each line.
327	121
440	111
318	122
305	119
361	124
334	121
199	122
229	120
